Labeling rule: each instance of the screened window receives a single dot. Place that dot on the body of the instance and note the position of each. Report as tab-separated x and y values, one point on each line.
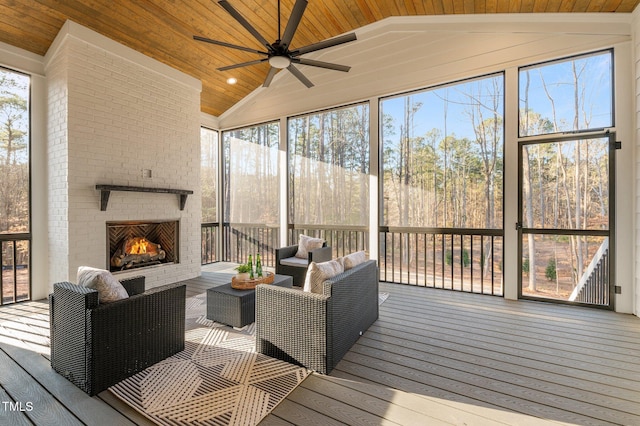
251	192
442	156
209	173
573	94
14	187
329	167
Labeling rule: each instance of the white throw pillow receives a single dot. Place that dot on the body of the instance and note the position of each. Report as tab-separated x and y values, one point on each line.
318	273
306	244
108	287
353	259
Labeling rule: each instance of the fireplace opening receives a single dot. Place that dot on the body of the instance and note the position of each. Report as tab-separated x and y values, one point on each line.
141	244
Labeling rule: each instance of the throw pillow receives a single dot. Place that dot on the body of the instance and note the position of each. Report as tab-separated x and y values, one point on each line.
354	259
108	287
306	244
318	273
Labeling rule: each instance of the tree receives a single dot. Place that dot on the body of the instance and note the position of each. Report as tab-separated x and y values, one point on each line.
565	180
209	173
14	153
485	112
329	165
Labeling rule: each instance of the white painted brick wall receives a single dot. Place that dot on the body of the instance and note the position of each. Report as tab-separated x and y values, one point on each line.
57	167
111	118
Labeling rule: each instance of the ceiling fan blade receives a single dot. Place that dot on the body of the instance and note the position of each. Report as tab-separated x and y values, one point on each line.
243	64
294	20
272	72
236	15
225	44
324	44
321	64
295	71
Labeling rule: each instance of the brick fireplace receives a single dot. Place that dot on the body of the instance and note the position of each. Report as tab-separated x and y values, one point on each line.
119	118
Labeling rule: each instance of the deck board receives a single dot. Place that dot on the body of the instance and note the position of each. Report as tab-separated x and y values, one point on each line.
567	354
132	416
10	416
376	403
433	357
341	411
300	414
437	408
23	389
512	362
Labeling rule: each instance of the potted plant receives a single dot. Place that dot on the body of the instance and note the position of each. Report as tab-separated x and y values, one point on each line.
243	272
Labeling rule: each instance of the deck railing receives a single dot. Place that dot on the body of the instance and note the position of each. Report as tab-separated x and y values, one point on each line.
209	238
15	281
239	240
467	260
343	239
593	287
456	259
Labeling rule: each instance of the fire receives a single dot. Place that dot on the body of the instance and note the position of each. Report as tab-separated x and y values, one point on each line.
138	246
137	250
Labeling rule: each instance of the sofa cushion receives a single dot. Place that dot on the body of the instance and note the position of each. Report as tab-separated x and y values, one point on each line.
306	244
318	273
295	261
354	259
108	287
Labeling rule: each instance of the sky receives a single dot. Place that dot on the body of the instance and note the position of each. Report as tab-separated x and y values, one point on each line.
595	82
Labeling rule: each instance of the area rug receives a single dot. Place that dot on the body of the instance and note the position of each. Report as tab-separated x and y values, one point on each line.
218	379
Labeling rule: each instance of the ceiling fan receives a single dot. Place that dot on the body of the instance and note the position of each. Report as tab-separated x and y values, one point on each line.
278	54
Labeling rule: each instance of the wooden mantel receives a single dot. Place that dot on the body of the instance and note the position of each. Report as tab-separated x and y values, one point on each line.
105	191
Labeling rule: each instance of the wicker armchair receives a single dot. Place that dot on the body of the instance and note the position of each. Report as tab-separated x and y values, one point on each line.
97	345
316	330
296	267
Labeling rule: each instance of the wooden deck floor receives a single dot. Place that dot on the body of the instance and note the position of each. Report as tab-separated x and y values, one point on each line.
433	357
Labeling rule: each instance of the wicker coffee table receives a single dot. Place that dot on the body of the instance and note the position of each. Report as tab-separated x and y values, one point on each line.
237	308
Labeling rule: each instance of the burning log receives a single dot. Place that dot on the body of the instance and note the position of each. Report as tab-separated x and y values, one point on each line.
137	250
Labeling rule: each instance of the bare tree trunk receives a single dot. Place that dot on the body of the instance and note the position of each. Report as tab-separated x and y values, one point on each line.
306	174
406	148
578	201
364	168
541	191
569	218
528	196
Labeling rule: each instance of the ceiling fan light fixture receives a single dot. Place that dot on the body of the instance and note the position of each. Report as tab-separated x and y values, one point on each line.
278	53
279	62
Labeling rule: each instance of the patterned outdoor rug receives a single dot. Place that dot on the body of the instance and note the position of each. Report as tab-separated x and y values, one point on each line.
218	379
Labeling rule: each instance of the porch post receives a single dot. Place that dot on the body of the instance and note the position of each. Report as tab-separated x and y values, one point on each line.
510	243
220	254
374	185
284	185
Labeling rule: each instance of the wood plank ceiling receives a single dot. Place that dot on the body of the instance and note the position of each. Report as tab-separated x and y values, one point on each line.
163	29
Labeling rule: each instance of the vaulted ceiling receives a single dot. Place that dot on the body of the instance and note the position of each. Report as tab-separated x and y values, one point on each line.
164	29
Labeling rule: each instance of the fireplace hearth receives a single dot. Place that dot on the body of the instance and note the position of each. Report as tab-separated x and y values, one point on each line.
141	244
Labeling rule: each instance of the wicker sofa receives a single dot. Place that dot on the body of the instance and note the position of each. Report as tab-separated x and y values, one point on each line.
317	330
296	267
97	345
